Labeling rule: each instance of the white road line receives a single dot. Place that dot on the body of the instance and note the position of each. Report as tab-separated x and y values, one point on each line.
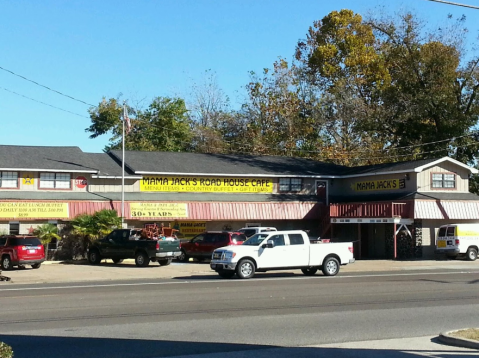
217	281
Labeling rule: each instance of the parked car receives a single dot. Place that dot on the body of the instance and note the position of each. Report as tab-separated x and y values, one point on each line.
250	231
16	250
123	244
458	240
202	246
281	250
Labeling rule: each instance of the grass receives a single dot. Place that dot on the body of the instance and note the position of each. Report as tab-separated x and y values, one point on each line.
470	333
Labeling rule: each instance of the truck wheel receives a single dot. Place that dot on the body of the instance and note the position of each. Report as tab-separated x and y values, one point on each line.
35	266
164	262
310	271
94	257
226	274
117	261
330	266
6	263
142	259
245	269
183	257
471	254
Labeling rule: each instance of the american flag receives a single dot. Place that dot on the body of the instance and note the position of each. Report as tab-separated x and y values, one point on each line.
127	120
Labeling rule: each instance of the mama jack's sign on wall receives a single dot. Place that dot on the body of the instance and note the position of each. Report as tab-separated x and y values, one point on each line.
373	185
206	184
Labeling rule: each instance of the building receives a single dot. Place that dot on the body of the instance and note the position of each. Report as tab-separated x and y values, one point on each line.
389	210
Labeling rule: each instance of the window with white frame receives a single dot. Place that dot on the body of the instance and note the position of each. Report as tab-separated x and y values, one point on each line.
8	179
290	184
443	180
55	181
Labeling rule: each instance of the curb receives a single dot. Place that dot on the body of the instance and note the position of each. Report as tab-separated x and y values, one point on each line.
447	338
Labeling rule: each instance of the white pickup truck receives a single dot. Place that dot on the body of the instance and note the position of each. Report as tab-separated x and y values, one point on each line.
281	250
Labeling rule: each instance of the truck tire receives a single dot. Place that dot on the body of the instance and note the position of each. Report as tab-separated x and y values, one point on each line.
35	266
142	259
330	266
6	263
226	274
471	254
94	257
245	269
117	261
183	257
164	262
310	271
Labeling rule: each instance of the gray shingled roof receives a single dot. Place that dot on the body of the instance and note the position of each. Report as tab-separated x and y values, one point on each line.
44	158
198	163
107	165
389	167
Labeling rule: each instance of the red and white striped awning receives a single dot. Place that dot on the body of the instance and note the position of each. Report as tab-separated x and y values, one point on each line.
446	209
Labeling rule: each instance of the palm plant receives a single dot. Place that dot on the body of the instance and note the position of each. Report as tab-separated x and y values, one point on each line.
46	233
105	221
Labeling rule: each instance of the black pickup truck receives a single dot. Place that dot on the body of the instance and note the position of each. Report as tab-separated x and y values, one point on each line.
123	244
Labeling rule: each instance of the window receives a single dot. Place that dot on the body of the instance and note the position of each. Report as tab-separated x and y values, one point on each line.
55	181
278	240
447	181
8	179
14	228
450	231
290	184
296	239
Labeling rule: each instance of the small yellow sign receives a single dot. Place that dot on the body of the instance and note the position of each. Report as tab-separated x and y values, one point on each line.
27	179
206	185
372	185
33	210
191	228
158	210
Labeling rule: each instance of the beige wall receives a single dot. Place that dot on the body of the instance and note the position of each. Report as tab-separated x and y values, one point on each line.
424	178
24	186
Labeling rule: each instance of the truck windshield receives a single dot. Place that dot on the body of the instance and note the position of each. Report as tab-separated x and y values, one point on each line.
256	240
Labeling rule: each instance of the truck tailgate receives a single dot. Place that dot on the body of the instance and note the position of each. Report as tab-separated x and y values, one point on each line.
169	246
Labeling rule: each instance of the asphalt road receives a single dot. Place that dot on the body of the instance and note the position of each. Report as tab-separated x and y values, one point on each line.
205	315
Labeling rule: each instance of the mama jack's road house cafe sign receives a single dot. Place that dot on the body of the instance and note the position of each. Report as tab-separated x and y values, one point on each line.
206	184
373	185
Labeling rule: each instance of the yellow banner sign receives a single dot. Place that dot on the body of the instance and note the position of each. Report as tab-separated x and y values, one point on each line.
33	210
190	228
158	210
386	184
206	185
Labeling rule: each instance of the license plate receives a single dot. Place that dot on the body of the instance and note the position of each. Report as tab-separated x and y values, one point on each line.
32	251
441	243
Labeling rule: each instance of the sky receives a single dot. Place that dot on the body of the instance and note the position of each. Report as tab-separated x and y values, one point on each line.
82	51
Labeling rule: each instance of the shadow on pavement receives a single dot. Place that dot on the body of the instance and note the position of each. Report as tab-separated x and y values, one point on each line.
25	346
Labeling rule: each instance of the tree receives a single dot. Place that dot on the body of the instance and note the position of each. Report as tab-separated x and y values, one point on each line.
46	233
163	126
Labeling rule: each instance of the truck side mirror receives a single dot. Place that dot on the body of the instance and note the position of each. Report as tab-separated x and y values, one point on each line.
269	244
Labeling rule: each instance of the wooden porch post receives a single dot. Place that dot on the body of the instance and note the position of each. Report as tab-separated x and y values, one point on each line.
395	242
359	241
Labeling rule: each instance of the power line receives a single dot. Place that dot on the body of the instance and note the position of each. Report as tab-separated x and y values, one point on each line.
455	4
48	88
46	104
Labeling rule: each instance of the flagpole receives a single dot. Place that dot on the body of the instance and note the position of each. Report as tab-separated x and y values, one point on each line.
123	167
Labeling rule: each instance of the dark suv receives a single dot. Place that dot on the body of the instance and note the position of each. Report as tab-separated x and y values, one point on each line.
16	250
202	246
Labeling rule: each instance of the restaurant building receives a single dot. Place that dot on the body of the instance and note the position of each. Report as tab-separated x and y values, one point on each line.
388	210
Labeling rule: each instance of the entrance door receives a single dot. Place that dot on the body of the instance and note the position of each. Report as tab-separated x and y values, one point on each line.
321	191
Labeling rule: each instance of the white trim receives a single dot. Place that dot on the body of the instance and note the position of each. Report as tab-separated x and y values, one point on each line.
47	170
265	175
372	221
454	161
113	177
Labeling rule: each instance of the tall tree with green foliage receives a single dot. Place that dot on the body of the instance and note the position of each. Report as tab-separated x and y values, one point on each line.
163	126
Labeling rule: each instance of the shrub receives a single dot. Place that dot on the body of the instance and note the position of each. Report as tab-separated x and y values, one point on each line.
5	350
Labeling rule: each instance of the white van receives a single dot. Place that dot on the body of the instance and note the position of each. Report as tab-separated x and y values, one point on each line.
250	231
458	240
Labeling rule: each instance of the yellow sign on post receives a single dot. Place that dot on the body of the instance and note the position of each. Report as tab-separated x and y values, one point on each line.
206	185
158	210
33	210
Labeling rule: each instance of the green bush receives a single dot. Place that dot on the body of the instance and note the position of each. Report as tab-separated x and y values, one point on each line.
5	350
